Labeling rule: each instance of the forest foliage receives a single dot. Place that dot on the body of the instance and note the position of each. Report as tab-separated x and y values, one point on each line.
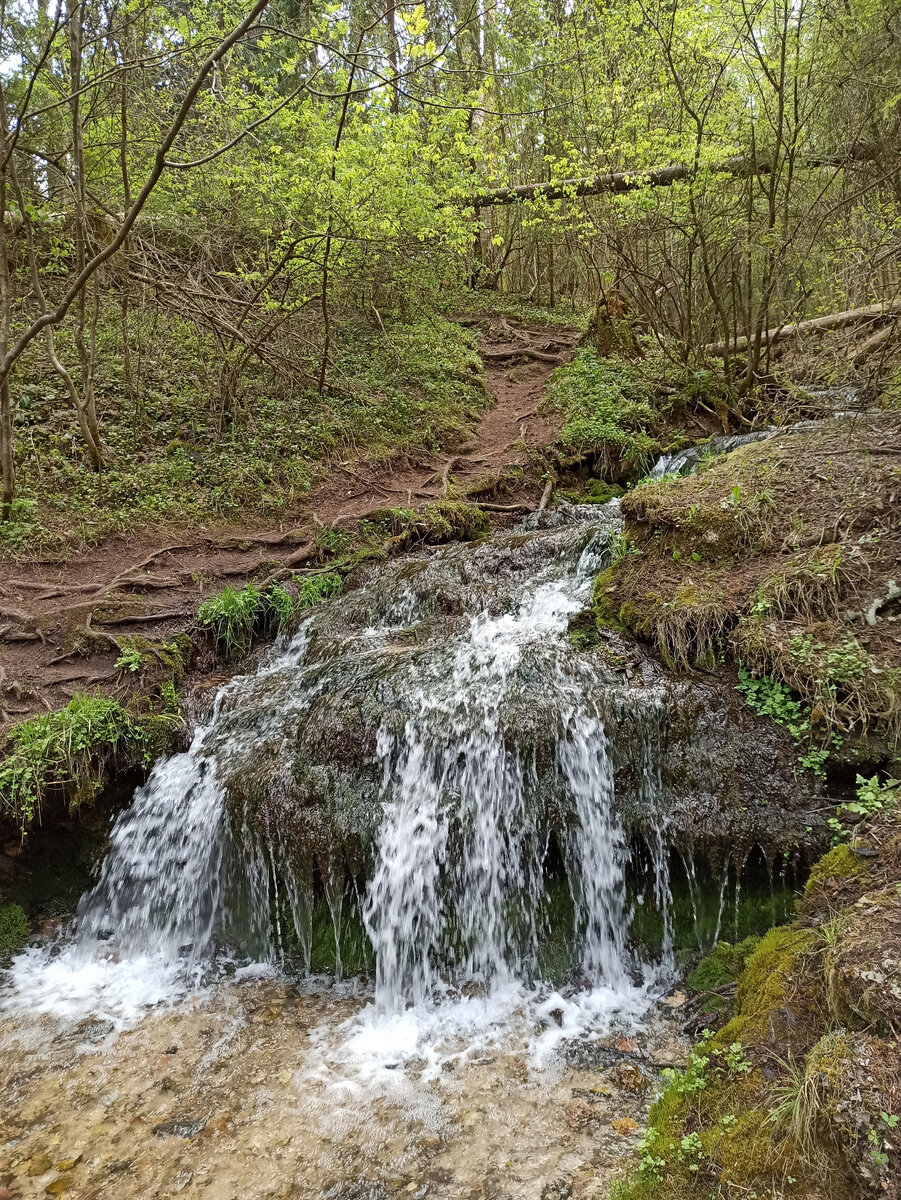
215	219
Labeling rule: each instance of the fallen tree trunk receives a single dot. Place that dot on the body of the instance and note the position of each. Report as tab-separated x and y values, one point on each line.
816	325
617	182
874	341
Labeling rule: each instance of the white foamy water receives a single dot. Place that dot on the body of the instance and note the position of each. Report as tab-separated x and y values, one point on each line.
453	901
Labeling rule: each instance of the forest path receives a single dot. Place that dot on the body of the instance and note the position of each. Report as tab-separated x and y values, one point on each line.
60	620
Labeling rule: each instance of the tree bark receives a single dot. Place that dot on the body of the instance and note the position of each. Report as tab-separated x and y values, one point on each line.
618	182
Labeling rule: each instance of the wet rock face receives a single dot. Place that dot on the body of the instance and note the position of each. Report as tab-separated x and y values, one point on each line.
468	645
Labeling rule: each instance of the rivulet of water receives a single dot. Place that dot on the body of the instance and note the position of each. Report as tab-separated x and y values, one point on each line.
216	855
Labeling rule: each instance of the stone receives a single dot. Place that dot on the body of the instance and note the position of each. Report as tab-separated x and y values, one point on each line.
40	1164
676	1000
630	1078
183	1127
624	1126
579	1114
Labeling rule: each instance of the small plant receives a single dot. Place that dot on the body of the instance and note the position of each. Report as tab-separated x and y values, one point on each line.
736	1060
650	1163
877	1140
131	659
621	547
236	615
772	698
873	796
690	1151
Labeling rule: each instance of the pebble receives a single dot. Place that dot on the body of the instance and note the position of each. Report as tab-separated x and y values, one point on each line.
624	1126
183	1127
629	1077
40	1164
676	1000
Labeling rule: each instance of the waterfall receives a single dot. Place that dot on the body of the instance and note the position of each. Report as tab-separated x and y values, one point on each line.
204	862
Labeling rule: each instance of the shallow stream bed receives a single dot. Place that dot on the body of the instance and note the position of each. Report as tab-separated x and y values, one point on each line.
257	1088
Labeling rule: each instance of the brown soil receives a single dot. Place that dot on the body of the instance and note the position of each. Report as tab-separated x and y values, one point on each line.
59	620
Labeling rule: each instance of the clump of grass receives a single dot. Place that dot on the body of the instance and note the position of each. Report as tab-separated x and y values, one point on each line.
235	616
69	749
313	589
442	521
608	411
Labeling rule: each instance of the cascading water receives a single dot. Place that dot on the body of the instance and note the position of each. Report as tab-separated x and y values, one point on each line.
454	753
216	853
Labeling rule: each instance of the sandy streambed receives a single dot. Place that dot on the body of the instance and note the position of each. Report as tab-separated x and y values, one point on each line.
258	1088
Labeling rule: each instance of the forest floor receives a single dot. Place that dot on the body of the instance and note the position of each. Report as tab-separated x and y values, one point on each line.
60	619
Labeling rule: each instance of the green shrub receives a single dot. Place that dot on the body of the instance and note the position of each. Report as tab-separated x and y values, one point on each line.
68	749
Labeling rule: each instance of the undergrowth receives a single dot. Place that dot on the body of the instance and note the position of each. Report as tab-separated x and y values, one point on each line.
179	454
235	616
608	411
13	930
70	750
772	698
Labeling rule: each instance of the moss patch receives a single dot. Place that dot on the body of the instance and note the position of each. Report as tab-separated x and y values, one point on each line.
795	1096
434	524
13	931
609	412
721	967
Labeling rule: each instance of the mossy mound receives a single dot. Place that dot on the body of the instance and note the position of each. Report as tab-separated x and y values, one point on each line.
781	554
72	753
435	524
829	878
718	970
798	1094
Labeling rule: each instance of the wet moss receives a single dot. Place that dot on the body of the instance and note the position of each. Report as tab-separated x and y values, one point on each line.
604	608
437	523
13	931
721	967
840	864
768	984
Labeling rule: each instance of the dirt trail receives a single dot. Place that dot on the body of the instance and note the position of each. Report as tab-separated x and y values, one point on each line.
59	620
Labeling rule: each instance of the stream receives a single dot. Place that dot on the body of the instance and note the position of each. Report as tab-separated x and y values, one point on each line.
403	919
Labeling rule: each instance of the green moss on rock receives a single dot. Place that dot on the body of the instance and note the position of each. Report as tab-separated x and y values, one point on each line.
837	866
720	968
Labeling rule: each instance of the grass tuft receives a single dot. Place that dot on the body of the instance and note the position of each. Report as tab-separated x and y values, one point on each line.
68	749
